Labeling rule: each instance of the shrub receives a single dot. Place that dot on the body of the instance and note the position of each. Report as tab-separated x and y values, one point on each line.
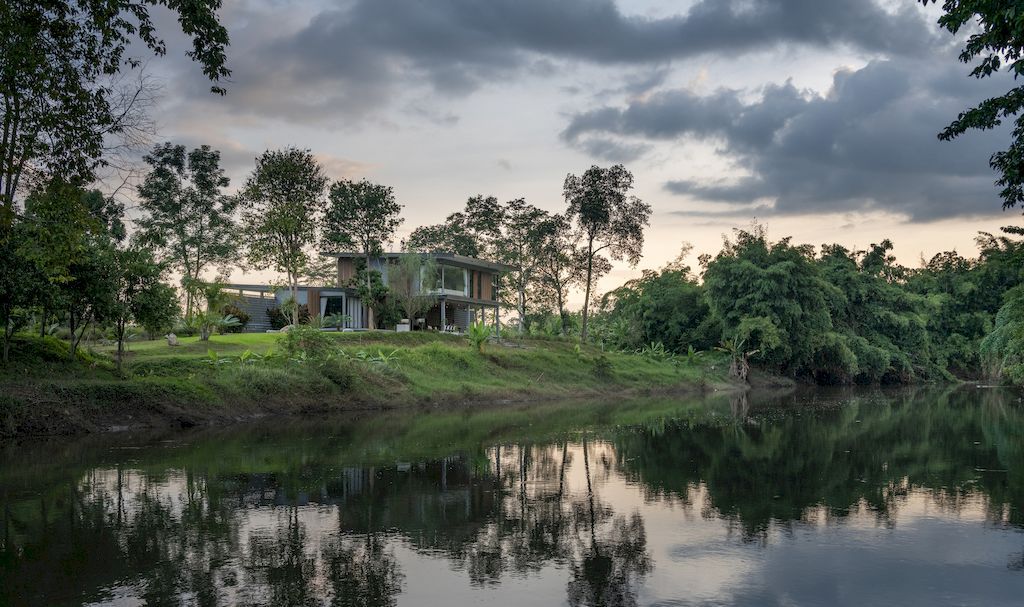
240	314
603	367
307	342
478	335
279	319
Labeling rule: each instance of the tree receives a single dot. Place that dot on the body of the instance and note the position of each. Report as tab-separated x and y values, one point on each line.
518	240
561	267
609	219
156	308
363	216
406	278
453	237
997	36
136	286
282	198
187	218
469	232
58	65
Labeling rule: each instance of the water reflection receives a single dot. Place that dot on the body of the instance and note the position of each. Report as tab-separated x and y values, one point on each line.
819	498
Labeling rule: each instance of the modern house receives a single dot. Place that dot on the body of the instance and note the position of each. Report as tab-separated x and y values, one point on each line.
466	289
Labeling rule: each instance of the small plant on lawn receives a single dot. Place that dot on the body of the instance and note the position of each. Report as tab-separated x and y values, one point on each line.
656	350
478	335
306	342
603	367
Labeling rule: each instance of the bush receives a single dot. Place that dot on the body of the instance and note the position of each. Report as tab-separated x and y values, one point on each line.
279	319
603	367
240	314
310	342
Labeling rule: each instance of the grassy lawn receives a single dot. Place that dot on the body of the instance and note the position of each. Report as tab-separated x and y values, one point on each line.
370	369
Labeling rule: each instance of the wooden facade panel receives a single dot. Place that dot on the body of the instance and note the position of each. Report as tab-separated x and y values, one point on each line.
486	293
346	271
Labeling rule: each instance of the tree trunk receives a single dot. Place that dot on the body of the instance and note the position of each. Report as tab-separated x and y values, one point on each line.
293	290
371	322
120	346
522	307
586	297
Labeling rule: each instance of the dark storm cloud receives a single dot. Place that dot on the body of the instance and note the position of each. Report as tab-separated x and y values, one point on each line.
869	143
357	58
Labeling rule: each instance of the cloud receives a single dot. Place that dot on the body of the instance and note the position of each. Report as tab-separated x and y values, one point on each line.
869	143
358	58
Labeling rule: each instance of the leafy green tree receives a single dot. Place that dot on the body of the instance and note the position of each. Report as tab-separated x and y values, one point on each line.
361	216
560	267
187	217
996	37
453	237
58	62
283	198
137	287
753	278
468	232
608	218
666	307
518	237
156	308
20	281
406	278
1004	347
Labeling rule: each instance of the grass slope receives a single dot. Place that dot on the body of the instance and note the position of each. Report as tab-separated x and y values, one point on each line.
43	393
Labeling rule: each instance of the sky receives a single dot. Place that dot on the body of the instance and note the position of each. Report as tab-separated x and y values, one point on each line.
816	119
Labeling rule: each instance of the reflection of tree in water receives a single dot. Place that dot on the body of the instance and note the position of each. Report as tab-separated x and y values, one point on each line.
278	561
177	530
606	569
868	453
363	572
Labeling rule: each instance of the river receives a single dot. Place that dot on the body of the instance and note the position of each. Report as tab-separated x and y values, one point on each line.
851	497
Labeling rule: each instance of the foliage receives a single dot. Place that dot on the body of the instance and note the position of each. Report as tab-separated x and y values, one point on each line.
306	341
407	277
603	367
186	217
361	216
238	313
282	199
336	321
608	218
137	280
466	232
1004	347
279	319
668	307
478	335
996	29
59	63
778	282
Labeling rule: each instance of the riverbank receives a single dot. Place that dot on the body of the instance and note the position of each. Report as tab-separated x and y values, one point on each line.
246	376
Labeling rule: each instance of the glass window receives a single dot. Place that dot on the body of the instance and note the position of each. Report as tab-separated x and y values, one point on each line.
335	305
455	280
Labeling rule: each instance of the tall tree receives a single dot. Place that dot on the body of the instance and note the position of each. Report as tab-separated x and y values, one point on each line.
363	216
469	232
609	218
188	219
58	62
283	198
561	267
996	37
518	242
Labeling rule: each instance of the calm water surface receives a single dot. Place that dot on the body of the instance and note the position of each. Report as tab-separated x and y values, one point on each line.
821	498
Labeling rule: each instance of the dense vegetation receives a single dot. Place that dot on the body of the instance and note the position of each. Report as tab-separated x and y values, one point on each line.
833	315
